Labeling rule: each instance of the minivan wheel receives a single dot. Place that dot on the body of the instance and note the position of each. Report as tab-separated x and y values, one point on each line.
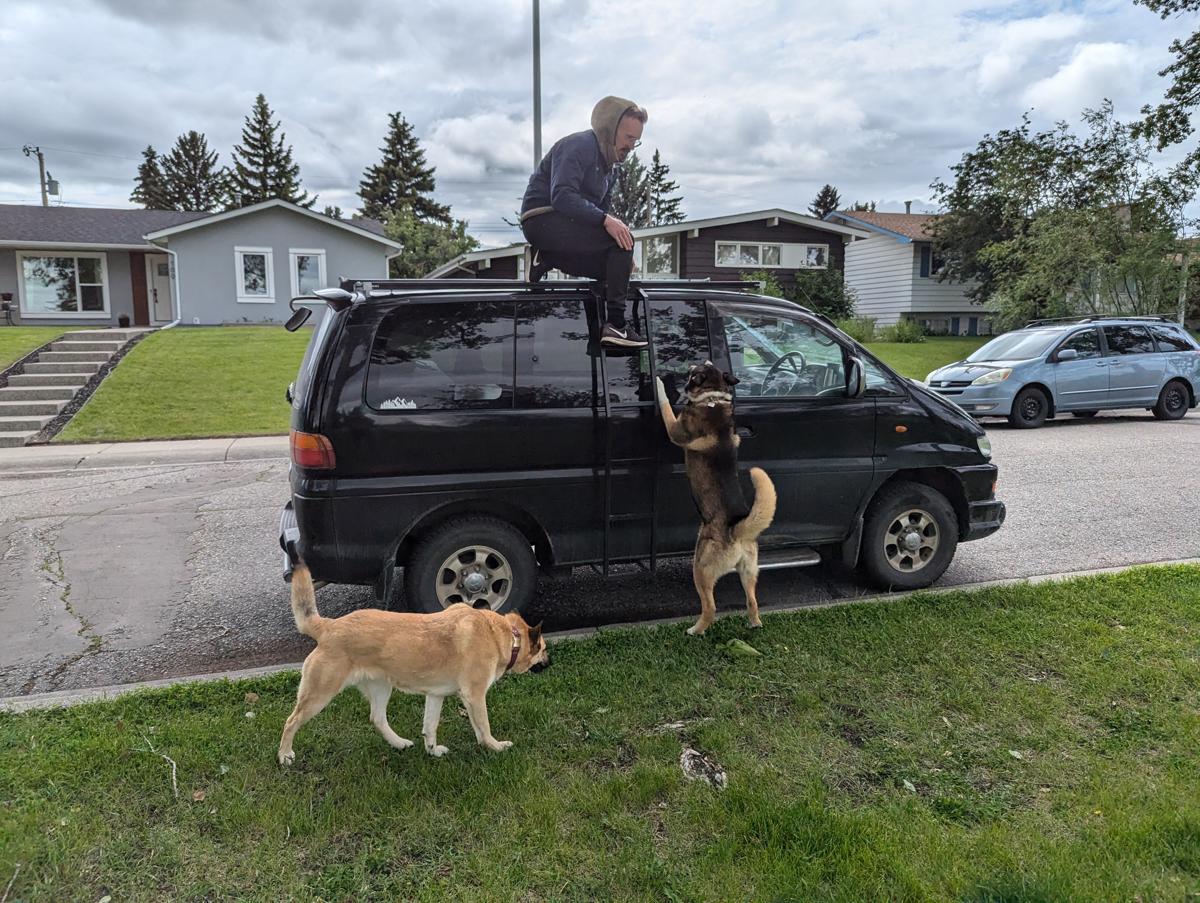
1030	408
1172	401
909	536
478	561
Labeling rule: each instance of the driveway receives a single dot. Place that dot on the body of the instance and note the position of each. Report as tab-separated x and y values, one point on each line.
138	573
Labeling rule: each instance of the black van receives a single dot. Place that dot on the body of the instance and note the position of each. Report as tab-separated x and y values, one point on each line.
471	432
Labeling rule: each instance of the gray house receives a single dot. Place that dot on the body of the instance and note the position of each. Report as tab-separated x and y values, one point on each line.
75	266
895	274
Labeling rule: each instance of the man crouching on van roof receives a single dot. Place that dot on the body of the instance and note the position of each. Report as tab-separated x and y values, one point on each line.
565	217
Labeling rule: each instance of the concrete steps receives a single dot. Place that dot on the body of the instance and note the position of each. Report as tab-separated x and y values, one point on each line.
34	398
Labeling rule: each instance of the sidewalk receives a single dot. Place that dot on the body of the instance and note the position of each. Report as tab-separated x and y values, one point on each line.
44	459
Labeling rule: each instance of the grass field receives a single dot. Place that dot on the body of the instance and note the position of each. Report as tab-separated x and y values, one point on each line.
918	360
18	341
1016	744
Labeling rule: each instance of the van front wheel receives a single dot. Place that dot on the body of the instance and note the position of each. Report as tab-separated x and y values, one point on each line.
478	561
909	537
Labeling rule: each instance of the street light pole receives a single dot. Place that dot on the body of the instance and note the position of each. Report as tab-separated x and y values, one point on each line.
537	84
29	151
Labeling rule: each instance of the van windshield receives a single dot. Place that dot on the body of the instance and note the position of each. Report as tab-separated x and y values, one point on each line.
1016	346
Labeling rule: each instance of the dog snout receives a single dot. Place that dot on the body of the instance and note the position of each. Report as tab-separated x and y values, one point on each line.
540	666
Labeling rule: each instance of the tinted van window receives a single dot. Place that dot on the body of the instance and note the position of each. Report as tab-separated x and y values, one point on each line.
554	368
1170	339
1128	340
445	356
680	340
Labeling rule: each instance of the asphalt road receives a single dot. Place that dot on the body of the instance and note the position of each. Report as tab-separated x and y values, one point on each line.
130	574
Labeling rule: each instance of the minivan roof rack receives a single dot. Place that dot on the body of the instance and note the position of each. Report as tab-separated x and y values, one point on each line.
397	285
1047	321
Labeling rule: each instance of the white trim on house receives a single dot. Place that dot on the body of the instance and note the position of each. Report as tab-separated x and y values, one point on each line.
265	205
239	272
294	275
774	216
513	250
791	255
105	314
71	245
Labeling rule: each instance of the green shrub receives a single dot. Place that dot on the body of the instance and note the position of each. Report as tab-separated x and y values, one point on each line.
824	291
861	329
904	332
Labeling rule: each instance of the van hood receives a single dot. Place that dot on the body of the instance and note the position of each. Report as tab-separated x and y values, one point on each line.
945	411
969	370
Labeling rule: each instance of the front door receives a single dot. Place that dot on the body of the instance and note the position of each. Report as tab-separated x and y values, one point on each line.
1081	383
158	285
796	420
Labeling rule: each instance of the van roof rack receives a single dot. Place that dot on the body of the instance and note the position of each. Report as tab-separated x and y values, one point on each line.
400	285
1049	321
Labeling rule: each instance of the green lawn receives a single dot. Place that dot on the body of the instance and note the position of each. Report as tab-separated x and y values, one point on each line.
1016	744
918	360
18	341
195	382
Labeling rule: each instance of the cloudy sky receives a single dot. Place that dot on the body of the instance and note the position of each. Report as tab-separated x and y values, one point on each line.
753	104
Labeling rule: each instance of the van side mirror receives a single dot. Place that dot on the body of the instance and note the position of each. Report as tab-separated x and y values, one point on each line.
1067	354
298	319
856	385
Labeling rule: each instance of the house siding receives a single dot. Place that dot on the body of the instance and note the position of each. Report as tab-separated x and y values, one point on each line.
698	255
207	265
120	290
931	296
879	271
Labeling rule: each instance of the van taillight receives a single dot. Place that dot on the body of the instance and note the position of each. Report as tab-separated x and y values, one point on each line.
312	451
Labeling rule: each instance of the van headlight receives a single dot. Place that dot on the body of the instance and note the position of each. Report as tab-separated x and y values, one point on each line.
996	376
985	446
930	376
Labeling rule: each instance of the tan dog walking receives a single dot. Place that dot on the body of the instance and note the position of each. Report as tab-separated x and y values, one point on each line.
729	528
461	650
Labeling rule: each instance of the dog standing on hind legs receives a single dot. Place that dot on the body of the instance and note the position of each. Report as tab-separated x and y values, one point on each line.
461	650
729	528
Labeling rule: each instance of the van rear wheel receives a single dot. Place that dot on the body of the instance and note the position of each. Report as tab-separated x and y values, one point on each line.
1172	401
909	537
478	561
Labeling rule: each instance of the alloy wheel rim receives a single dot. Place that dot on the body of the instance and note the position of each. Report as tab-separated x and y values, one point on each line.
911	540
474	575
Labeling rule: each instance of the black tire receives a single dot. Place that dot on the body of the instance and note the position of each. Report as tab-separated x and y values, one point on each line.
1173	401
1084	413
931	517
496	557
1030	409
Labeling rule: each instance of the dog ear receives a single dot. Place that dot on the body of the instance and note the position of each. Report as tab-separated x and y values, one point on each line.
535	634
730	379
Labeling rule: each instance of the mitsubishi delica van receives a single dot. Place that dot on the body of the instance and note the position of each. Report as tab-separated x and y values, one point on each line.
456	437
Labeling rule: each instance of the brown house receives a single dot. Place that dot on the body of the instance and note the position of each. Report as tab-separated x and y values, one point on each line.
719	248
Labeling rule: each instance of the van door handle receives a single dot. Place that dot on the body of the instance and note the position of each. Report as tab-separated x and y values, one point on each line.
745	432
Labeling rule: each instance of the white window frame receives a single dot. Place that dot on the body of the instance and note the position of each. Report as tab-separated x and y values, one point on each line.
808	245
753	244
105	314
294	253
640	259
240	273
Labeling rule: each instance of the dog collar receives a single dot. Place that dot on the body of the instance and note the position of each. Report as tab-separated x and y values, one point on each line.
712	397
516	648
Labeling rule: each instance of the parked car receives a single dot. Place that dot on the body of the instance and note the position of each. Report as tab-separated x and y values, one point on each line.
471	432
1080	366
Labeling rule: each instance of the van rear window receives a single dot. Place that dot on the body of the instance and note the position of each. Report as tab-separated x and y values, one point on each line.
443	356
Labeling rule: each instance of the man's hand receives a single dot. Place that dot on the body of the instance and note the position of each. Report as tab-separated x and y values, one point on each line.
619	231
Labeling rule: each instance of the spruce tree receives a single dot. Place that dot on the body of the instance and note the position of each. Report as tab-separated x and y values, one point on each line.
262	165
630	202
191	177
664	209
401	180
150	187
333	211
826	201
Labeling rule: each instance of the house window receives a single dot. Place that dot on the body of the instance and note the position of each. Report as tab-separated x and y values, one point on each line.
656	257
64	284
767	255
256	281
307	269
816	256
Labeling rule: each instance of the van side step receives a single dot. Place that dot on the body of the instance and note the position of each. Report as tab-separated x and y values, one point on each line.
778	559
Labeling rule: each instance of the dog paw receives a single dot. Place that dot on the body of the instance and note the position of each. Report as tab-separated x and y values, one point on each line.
755	624
697	630
287	758
437	751
401	743
501	745
662	390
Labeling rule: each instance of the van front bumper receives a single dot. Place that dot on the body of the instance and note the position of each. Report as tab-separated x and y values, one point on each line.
985	518
980	401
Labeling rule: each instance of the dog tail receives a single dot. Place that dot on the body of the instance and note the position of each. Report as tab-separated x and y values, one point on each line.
762	512
304	602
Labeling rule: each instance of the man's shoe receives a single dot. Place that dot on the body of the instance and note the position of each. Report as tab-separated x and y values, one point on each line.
621	338
539	267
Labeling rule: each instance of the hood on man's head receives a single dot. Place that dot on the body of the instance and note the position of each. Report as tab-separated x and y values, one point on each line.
606	116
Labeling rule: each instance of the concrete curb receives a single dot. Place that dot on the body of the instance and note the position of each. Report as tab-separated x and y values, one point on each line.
62	698
46	460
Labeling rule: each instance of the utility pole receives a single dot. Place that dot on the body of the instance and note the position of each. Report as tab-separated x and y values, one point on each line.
537	84
30	151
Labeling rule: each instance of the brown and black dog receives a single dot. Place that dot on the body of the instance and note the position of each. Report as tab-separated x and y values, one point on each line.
729	528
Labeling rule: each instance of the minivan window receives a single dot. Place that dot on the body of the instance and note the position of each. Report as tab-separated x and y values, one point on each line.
1128	340
554	368
1016	346
1086	343
1170	339
778	356
443	356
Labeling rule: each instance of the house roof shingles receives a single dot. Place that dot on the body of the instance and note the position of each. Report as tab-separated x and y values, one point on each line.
911	225
85	225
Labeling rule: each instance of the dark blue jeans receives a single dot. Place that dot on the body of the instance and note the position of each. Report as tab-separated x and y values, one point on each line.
582	250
